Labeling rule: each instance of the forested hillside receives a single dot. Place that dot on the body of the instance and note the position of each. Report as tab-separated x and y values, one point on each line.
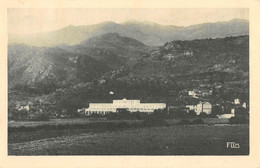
76	75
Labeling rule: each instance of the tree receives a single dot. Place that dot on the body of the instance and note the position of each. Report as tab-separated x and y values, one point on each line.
123	113
203	115
241	112
70	103
192	113
216	110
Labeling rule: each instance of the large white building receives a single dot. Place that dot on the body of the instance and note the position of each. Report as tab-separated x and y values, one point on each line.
130	105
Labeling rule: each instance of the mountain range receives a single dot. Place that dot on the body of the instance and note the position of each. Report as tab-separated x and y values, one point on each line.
109	52
148	33
143	60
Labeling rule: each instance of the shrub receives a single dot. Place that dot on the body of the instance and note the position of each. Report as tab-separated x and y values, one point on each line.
192	113
184	122
203	115
238	120
19	115
41	117
198	121
153	120
112	116
241	112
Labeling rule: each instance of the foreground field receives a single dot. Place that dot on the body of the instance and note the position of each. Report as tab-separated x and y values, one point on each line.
172	140
24	131
72	121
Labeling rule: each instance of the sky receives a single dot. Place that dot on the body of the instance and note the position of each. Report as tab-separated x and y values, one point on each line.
33	20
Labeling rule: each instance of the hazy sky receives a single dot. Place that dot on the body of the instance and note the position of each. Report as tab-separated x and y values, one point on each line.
23	21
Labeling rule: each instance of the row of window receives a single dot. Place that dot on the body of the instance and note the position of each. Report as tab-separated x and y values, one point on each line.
100	112
113	109
132	107
97	112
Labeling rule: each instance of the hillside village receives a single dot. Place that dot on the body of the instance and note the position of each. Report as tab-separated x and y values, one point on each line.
189	104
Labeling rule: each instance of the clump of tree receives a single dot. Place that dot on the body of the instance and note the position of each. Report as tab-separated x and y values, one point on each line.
241	116
155	119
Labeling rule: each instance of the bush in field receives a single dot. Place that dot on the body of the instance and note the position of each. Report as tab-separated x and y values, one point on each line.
238	120
180	114
153	120
212	115
216	110
124	114
191	113
19	114
112	116
160	113
12	112
184	122
198	121
241	112
241	116
136	116
203	115
40	117
94	115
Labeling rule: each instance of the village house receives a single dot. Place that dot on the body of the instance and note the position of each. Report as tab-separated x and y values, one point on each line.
230	108
190	52
192	93
226	115
23	105
236	101
196	93
205	107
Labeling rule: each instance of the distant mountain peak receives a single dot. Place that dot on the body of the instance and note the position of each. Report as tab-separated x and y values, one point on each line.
112	38
106	23
110	34
145	22
147	32
238	20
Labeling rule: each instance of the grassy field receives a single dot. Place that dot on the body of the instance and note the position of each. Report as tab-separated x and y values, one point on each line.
23	131
203	139
87	121
60	122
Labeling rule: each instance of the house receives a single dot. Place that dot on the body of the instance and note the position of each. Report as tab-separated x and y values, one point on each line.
24	107
226	115
80	110
192	93
244	105
205	107
191	107
200	93
188	52
236	101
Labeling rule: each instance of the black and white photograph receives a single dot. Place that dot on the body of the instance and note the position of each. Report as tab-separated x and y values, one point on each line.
128	81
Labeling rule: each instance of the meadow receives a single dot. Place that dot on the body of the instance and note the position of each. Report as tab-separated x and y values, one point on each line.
101	137
71	121
171	140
